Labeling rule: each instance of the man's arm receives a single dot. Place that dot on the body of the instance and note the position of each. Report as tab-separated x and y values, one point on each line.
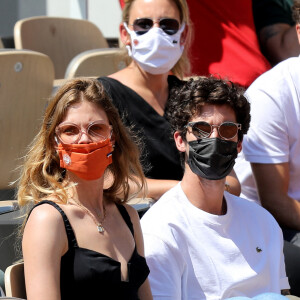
165	274
279	42
272	182
275	29
233	185
155	187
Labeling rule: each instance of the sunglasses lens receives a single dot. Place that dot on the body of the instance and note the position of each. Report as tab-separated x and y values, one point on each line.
228	130
142	25
68	133
201	129
71	133
169	26
98	132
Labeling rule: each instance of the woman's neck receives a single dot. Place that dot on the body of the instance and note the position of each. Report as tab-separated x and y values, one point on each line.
87	193
139	77
154	89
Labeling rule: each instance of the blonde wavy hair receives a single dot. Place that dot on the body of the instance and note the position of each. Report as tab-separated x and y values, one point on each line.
182	67
42	175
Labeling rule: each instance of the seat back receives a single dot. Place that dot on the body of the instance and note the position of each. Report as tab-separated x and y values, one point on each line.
59	38
96	63
26	82
15	281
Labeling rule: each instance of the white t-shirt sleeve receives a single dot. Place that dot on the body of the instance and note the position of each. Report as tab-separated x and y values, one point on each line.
165	274
267	140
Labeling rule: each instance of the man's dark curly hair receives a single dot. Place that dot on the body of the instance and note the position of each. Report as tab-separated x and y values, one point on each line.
186	102
296	11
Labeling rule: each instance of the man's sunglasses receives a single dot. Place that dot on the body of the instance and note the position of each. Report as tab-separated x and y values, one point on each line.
227	130
143	25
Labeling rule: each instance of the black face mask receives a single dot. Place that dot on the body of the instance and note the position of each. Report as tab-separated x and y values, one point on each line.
212	158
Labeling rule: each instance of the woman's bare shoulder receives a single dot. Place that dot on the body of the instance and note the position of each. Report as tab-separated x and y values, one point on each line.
45	227
45	214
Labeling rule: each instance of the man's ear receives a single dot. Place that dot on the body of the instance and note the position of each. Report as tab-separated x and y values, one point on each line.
180	142
298	32
239	146
124	36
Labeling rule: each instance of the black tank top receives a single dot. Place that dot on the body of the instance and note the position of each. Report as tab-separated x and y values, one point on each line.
87	274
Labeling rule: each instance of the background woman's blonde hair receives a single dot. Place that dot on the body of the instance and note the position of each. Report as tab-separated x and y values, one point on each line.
42	175
182	67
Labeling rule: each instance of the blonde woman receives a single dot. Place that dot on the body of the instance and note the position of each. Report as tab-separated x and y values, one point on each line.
157	36
80	241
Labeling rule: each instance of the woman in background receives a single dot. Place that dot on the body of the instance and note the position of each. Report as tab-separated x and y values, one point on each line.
157	35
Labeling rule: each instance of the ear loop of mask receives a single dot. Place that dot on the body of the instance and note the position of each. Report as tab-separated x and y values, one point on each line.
128	47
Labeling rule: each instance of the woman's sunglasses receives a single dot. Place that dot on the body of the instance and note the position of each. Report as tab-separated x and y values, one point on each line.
143	25
70	133
227	130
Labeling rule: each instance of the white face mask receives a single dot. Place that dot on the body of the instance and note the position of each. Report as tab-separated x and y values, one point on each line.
155	51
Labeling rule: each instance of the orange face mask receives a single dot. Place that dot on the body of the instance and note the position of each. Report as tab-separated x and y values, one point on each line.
87	161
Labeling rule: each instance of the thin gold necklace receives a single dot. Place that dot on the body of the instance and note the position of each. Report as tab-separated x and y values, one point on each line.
99	224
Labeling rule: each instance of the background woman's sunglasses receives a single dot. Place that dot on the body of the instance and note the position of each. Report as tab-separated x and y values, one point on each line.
143	25
227	130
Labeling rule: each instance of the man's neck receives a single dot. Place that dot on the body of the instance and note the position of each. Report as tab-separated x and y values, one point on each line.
205	194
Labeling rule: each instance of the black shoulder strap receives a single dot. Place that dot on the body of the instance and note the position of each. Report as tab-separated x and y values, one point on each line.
126	217
69	230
